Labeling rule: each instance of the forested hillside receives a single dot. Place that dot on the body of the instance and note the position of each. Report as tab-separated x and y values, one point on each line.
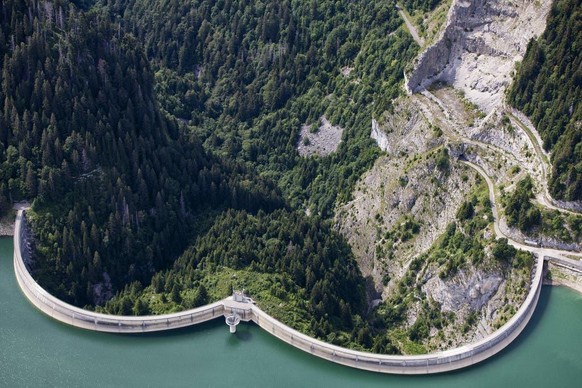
116	186
548	88
297	268
423	5
237	59
246	75
146	131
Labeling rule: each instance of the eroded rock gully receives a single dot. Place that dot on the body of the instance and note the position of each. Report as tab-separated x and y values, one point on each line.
479	46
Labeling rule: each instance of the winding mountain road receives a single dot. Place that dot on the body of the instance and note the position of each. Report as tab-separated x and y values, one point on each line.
543	196
455	133
410	26
549	253
428	102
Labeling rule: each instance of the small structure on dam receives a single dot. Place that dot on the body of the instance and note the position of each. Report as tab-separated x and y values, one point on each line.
232	321
239	296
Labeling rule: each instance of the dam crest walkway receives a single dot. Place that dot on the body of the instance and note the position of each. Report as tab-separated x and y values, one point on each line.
247	311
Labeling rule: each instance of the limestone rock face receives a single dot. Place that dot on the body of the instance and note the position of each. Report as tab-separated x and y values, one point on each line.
404	203
379	135
322	142
472	289
479	46
403	183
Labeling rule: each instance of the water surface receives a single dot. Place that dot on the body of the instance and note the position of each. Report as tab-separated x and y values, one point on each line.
38	351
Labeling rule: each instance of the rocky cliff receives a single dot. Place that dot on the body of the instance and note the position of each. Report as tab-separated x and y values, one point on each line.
404	205
400	210
479	46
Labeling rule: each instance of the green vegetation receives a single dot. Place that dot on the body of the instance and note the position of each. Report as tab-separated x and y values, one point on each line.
464	245
405	229
531	219
423	5
548	89
157	143
429	18
117	187
567	228
245	76
442	160
506	254
303	274
519	210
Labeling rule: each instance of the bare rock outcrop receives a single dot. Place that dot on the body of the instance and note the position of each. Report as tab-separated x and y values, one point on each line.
406	130
403	184
379	135
479	46
7	227
403	205
543	240
472	289
381	202
103	291
322	142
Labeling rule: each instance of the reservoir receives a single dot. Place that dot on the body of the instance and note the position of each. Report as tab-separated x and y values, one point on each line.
38	351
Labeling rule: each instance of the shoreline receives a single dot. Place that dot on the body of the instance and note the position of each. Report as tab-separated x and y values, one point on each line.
560	283
6	227
560	276
439	362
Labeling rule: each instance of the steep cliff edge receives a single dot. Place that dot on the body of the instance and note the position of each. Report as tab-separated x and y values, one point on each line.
409	207
479	46
421	257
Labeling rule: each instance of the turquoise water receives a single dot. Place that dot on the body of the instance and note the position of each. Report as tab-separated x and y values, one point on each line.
38	351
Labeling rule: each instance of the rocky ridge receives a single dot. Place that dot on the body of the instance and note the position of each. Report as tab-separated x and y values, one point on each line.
400	183
475	55
479	46
405	190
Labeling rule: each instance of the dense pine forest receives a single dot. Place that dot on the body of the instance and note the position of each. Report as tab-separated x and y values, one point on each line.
116	184
157	140
246	75
548	89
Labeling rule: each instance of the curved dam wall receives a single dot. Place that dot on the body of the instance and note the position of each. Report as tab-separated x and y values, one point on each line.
89	320
449	360
419	364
